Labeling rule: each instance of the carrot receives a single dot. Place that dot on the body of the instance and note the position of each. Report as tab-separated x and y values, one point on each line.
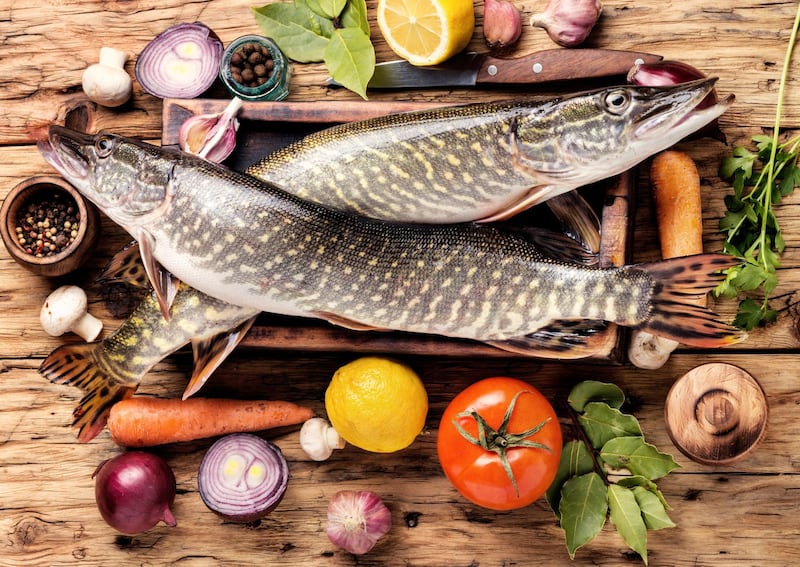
676	190
144	422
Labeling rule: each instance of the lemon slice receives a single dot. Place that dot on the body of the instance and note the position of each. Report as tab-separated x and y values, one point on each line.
426	32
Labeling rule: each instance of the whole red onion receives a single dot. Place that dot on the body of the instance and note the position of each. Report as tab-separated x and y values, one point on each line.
134	491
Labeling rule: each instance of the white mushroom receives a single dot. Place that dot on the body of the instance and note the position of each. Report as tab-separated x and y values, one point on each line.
107	83
649	351
66	310
318	439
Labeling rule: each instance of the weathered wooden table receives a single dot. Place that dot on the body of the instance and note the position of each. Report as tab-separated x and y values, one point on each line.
742	514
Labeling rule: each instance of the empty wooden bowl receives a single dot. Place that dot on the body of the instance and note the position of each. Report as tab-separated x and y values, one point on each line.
44	190
716	413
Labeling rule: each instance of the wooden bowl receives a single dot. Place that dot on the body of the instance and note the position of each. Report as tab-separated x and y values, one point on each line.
75	253
716	414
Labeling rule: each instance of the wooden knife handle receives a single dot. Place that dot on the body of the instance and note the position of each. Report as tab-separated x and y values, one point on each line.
560	65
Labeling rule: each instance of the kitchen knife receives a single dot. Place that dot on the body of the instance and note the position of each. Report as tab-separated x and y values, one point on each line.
470	69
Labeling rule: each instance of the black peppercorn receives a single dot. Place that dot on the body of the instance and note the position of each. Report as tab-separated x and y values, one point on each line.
47	225
251	65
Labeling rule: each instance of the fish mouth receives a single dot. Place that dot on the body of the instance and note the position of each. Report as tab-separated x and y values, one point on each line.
675	109
63	149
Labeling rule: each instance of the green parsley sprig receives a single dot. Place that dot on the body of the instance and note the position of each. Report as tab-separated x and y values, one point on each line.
760	180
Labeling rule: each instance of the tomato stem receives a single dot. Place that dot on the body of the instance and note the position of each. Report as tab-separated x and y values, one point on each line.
500	441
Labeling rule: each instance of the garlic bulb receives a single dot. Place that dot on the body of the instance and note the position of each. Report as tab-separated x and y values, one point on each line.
502	23
568	22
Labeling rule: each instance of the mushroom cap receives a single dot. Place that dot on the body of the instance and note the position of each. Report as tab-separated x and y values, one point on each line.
62	309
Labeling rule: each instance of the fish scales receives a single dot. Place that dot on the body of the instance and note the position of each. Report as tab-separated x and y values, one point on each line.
486	161
262	248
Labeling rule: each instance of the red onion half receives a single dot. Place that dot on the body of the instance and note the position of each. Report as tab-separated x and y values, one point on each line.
242	477
134	491
180	62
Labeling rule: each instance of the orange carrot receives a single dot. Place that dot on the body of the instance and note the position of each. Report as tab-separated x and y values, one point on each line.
144	422
676	189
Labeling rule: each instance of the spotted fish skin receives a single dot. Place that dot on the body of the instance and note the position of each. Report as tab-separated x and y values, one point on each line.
249	243
485	161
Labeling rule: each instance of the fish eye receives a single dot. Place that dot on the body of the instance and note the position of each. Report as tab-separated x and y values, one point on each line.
103	145
617	101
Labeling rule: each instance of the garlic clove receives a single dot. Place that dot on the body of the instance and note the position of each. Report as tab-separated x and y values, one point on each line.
568	22
211	136
502	23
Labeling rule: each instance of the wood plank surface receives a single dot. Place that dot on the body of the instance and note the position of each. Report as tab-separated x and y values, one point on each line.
740	514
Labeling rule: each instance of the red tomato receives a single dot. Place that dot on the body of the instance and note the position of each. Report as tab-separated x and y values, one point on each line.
477	473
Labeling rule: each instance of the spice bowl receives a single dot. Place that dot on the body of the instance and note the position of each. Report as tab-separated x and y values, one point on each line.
254	68
44	203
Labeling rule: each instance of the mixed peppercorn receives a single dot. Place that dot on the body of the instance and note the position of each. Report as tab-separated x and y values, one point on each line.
251	65
47	224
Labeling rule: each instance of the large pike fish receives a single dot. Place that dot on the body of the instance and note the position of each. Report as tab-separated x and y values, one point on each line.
111	370
249	243
486	161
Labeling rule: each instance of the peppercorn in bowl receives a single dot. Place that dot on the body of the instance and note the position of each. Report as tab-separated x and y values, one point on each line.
47	226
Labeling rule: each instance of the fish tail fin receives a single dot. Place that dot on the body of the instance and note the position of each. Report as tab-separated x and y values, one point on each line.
76	365
680	284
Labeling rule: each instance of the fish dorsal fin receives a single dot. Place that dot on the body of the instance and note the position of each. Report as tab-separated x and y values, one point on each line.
125	267
75	365
340	321
164	283
560	339
210	353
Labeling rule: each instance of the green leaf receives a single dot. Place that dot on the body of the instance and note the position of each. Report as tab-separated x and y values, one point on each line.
637	456
627	517
301	34
584	507
639	481
326	8
575	461
653	512
593	391
602	423
350	58
355	16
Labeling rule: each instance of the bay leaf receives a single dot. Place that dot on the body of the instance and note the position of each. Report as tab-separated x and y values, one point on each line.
350	59
594	391
354	15
639	457
636	480
301	34
602	423
627	517
653	512
584	507
326	8
575	461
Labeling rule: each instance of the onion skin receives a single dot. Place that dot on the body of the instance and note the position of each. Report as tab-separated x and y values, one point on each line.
134	491
193	71
242	477
356	520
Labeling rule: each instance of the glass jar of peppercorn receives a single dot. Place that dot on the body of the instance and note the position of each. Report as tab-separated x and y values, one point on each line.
254	68
47	226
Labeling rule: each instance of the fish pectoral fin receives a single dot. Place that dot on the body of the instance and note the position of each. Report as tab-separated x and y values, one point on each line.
210	353
559	339
557	245
75	365
340	321
125	267
164	283
536	195
578	217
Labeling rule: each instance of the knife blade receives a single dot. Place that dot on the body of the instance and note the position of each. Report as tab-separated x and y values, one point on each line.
470	69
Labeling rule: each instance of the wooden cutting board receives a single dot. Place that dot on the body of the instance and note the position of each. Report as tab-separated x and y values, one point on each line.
267	126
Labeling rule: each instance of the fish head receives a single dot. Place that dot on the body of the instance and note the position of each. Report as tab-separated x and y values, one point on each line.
591	136
127	179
